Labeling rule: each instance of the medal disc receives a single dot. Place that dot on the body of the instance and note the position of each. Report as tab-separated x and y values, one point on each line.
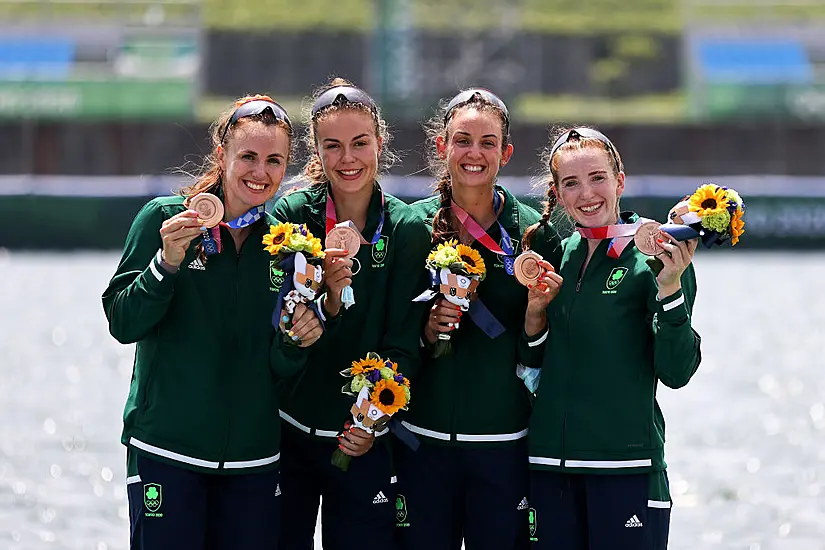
526	267
209	208
645	238
344	237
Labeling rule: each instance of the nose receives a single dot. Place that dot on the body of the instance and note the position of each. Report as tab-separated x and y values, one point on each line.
347	155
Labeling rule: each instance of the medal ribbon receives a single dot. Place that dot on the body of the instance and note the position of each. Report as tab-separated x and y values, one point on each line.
332	220
212	237
481	236
620	235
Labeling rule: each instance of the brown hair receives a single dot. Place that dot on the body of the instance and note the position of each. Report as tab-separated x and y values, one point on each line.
313	172
210	176
548	177
444	223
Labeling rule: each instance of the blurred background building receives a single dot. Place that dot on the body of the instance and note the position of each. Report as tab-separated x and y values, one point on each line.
107	97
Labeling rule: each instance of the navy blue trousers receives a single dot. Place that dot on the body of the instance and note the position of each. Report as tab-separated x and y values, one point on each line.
594	512
357	506
449	493
171	507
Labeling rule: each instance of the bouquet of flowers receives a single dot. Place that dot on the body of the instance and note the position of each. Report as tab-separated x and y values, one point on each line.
712	214
380	391
455	272
295	273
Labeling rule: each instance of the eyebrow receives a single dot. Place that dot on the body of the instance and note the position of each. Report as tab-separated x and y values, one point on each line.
251	152
359	136
593	173
468	134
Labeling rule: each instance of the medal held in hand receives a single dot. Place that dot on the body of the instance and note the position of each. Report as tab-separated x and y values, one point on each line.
527	269
209	209
345	236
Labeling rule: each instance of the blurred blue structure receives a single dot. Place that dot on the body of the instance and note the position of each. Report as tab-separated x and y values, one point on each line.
36	57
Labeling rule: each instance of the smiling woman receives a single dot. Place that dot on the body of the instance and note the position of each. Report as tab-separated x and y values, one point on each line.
195	295
347	143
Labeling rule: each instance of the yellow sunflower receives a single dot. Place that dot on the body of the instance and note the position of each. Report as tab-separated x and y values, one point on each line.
363	365
388	396
708	199
473	261
737	226
317	248
277	236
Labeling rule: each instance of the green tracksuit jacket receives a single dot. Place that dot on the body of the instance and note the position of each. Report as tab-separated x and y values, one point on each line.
203	390
610	344
472	396
383	319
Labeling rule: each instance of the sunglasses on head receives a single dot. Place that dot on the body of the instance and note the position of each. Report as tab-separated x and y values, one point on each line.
468	95
257	107
578	133
339	95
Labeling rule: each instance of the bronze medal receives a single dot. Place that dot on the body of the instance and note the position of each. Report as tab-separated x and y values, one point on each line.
526	267
345	237
645	239
209	208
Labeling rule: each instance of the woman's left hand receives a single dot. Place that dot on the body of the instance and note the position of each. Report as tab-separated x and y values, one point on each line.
676	258
355	441
305	325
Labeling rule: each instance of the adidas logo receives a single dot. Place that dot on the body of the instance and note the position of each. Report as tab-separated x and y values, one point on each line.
197	264
380	498
278	490
523	505
633	522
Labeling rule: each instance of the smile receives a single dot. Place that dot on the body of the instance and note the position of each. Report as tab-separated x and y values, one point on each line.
590	208
254	186
472	167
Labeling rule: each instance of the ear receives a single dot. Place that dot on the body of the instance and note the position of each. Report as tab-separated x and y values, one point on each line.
620	187
441	147
221	158
506	154
380	144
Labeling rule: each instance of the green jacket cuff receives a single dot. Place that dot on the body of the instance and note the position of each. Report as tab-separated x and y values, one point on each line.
673	307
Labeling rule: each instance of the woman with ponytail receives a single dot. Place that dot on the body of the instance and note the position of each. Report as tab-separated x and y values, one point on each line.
201	422
613	330
469	477
367	307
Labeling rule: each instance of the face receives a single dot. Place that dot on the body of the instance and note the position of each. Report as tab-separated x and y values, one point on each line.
253	161
473	148
349	150
587	186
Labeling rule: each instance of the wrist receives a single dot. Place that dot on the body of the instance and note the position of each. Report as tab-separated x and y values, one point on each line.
331	305
535	323
169	267
669	289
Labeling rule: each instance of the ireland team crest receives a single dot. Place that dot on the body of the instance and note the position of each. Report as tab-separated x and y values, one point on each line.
533	522
616	277
401	511
276	275
152	496
379	249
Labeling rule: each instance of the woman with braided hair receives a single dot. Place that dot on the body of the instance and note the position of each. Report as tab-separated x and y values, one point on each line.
616	330
469	477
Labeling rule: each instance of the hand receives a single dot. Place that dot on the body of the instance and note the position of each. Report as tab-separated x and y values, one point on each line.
544	290
539	296
176	233
337	275
305	325
444	317
354	441
676	257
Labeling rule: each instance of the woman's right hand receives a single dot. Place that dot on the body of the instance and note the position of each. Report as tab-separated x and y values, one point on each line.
442	315
539	296
176	233
337	275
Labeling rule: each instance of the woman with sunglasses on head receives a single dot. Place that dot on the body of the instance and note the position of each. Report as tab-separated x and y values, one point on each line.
201	423
347	142
469	477
616	329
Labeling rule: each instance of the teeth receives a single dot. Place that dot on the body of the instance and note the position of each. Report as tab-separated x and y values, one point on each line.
255	186
589	209
349	172
473	168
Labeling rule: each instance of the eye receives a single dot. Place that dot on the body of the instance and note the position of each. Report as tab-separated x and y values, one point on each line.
248	156
331	146
598	178
570	183
488	144
462	141
275	160
361	143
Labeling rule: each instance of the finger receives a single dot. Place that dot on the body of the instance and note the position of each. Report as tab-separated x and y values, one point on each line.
547	266
336	252
356	434
692	245
306	326
313	336
448	311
